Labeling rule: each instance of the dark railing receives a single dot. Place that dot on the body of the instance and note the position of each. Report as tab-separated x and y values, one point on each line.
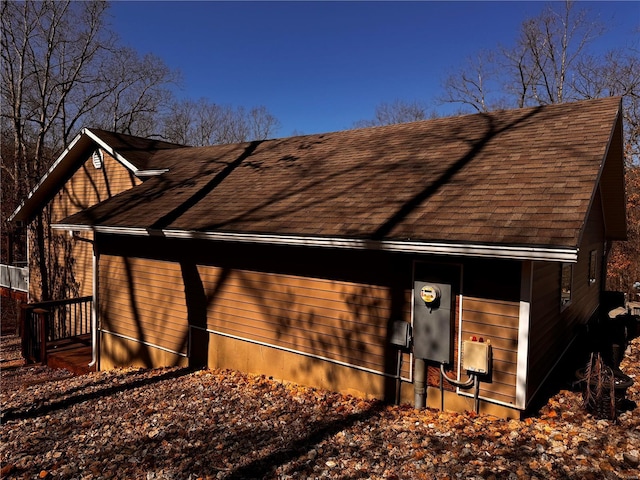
52	321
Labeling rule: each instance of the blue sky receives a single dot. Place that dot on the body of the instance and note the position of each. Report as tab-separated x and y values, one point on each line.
321	66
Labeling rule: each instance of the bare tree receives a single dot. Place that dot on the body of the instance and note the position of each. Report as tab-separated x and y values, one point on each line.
550	63
538	70
399	111
202	122
617	73
48	49
553	42
262	124
474	84
136	90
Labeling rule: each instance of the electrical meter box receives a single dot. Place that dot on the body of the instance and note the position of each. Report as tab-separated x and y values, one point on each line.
476	356
432	321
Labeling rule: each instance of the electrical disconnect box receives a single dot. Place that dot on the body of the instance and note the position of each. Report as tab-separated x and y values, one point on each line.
476	356
401	334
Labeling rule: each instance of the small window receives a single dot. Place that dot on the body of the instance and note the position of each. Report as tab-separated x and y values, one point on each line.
565	285
593	261
97	159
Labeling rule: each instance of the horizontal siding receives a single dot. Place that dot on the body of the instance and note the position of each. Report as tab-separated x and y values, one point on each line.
551	329
143	299
89	186
545	319
343	321
496	321
83	265
73	274
585	295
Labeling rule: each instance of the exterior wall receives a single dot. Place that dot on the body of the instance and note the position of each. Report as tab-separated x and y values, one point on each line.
552	327
490	309
89	186
143	316
320	332
69	260
254	311
586	295
497	321
315	317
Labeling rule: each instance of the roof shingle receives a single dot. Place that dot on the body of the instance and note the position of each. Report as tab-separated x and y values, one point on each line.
524	177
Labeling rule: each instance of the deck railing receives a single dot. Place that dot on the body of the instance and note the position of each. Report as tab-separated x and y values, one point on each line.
46	322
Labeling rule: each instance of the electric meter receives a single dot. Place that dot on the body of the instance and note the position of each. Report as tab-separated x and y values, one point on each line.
430	294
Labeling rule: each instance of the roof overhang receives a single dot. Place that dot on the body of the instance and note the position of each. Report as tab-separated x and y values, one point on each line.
511	252
107	148
63	169
59	172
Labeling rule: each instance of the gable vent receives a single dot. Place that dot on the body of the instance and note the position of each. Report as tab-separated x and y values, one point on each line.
97	159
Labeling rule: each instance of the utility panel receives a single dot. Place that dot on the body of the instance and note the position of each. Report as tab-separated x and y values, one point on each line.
432	321
476	356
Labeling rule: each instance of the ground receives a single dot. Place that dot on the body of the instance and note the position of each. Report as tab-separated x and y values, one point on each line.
179	424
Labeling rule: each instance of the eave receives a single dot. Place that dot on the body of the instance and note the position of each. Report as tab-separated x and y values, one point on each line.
511	252
63	169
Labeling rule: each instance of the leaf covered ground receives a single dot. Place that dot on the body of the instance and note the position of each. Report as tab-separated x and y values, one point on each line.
179	424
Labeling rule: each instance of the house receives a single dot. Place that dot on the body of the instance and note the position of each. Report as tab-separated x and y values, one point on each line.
306	258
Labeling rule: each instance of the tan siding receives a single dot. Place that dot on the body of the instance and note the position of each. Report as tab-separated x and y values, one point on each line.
140	305
342	321
552	330
544	320
70	266
586	295
89	186
325	318
496	321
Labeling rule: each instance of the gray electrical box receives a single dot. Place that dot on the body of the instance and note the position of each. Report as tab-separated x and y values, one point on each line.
401	334
432	321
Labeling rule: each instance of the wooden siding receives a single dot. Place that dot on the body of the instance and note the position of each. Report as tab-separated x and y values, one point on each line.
70	260
552	330
586	295
545	321
296	308
496	321
89	186
343	321
143	300
278	314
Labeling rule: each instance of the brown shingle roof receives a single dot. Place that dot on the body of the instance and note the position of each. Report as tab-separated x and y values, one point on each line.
140	152
521	177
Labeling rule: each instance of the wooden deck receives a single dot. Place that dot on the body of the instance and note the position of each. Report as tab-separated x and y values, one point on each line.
73	355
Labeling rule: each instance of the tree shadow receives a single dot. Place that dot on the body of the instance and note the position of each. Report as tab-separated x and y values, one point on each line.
35	410
265	466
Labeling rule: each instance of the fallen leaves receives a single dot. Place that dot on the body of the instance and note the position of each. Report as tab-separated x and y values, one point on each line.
173	423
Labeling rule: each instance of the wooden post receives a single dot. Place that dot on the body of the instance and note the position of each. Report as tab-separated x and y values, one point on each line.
24	331
42	325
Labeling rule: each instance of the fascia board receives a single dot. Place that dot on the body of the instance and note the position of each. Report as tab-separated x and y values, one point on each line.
597	188
553	254
60	172
49	178
151	173
107	148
